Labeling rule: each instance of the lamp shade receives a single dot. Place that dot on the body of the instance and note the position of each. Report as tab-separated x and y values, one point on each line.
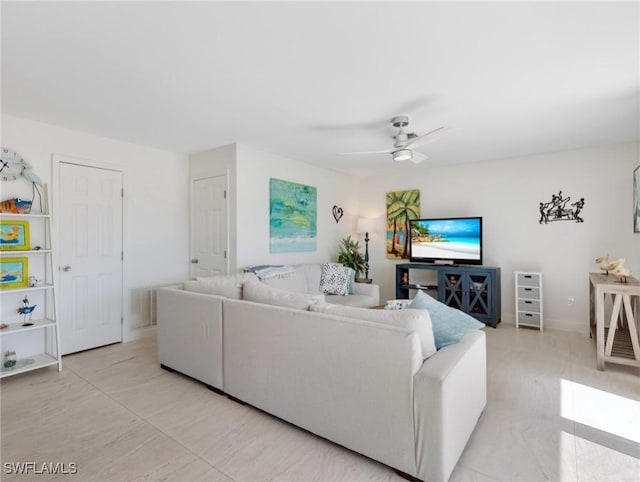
366	225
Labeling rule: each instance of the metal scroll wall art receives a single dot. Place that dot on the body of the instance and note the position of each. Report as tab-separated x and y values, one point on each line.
559	209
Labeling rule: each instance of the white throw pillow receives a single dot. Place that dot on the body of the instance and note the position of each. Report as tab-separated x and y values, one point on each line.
262	293
416	320
227	285
334	279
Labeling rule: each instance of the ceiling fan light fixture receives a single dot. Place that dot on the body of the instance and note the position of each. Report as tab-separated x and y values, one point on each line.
402	155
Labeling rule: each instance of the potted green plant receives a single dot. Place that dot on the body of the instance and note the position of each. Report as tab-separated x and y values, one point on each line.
350	255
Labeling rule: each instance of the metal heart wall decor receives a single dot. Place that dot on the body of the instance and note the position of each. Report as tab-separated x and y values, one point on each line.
337	213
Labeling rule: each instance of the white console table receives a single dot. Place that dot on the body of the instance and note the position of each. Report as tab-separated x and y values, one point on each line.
614	345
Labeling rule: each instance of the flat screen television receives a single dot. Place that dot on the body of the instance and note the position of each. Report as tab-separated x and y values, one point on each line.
446	240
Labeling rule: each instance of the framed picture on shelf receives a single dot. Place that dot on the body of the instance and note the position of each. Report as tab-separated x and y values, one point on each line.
14	235
14	272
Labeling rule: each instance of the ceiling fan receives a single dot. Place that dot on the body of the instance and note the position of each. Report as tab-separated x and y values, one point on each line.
402	149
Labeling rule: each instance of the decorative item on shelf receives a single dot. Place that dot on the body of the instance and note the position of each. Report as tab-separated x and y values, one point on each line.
25	310
33	282
9	359
405	278
350	255
556	210
12	166
13	272
15	206
3	326
14	235
337	212
402	207
366	226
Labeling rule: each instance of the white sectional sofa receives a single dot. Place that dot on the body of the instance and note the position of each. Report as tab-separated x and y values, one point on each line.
362	384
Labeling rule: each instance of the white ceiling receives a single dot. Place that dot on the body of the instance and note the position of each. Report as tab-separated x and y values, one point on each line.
311	80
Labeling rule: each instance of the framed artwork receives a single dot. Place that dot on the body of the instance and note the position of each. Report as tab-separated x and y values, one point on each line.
293	213
402	206
14	272
636	200
14	235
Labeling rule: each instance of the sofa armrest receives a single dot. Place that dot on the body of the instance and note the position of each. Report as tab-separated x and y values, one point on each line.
369	290
450	393
190	334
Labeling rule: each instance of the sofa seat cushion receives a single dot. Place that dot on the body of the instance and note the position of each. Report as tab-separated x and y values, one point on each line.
262	293
227	285
362	301
449	325
415	320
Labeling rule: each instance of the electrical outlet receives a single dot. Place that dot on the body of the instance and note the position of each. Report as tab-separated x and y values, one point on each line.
570	301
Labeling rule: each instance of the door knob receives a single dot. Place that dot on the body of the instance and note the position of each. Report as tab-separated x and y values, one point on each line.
66	268
194	261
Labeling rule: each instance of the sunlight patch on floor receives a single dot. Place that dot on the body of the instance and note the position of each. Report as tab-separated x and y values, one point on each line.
601	410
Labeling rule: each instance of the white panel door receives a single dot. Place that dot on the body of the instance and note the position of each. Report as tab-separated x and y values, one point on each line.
209	226
90	263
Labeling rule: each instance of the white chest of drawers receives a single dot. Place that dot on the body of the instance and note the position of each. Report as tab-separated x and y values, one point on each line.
529	299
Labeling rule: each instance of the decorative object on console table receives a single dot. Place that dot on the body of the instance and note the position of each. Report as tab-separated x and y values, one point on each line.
366	226
529	299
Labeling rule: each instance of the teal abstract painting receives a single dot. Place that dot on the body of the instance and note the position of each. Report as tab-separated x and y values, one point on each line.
292	216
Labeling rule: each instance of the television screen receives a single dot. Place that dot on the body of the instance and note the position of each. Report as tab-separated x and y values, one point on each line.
447	240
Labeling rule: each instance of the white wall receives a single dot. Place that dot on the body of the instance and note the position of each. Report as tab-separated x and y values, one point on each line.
254	169
507	193
156	197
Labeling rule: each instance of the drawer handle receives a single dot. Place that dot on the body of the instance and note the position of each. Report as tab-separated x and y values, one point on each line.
528	302
528	276
527	289
528	314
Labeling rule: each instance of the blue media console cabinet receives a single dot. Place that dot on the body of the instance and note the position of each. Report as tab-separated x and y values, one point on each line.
472	289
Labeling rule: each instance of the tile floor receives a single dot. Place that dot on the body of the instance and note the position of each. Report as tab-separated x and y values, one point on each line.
119	417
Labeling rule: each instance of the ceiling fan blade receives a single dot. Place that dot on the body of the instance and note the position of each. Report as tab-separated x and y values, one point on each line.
430	136
386	151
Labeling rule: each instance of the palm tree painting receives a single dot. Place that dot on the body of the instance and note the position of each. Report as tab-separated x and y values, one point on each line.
402	207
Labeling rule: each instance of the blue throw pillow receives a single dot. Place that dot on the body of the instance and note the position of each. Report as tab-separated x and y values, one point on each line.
449	324
352	280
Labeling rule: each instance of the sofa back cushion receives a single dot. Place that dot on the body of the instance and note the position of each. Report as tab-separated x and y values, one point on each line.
263	293
415	320
227	285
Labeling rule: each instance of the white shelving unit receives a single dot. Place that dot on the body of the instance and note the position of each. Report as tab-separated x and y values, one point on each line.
529	299
36	345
